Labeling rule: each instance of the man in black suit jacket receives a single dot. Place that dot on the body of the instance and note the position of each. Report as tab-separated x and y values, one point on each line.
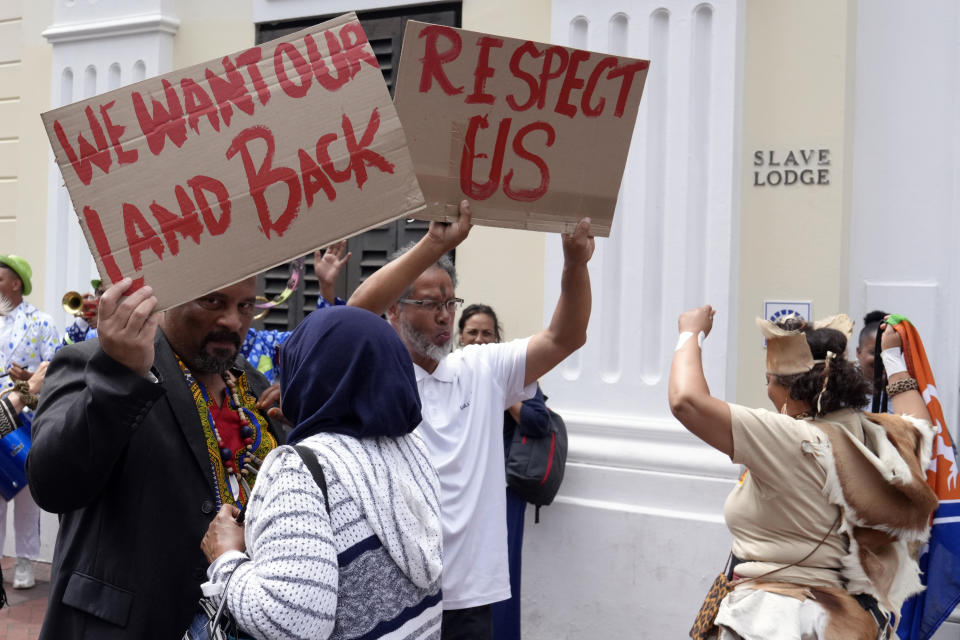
120	451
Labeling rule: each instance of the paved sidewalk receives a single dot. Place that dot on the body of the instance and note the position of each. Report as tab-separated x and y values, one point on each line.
21	618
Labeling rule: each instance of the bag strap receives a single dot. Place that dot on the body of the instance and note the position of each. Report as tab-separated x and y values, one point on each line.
310	459
804	558
214	623
316	470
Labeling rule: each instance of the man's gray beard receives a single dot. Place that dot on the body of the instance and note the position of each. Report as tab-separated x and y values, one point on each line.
6	306
413	338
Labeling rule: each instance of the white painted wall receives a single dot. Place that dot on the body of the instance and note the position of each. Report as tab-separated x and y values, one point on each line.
637	535
906	206
96	48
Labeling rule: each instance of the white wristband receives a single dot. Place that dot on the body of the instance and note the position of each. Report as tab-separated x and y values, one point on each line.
686	335
893	361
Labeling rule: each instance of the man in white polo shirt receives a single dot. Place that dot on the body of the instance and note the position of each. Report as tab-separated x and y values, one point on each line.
464	395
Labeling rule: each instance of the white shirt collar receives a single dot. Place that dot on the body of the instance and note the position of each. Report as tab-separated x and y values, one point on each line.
444	372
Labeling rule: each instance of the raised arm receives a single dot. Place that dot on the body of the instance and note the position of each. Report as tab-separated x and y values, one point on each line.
568	326
909	402
387	285
531	415
704	416
326	266
91	405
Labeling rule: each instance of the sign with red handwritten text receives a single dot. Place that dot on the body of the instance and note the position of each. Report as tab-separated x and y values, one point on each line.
198	178
534	135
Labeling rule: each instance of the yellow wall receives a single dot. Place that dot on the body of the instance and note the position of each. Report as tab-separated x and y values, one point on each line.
499	267
25	61
10	88
797	93
210	29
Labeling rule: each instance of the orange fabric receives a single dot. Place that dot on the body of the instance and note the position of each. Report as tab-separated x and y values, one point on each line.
942	474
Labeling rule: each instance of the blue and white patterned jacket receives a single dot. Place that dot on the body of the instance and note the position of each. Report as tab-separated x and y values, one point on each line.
27	337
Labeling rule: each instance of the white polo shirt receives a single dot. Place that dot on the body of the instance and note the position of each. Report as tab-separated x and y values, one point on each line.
463	404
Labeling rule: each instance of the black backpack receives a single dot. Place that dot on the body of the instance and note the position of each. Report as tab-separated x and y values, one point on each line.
535	465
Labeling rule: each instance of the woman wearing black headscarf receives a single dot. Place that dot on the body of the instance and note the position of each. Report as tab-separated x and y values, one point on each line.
371	567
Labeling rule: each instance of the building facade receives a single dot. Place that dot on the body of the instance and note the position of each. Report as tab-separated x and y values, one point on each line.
786	155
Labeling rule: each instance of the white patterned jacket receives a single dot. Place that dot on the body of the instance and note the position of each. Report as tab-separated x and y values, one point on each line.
27	337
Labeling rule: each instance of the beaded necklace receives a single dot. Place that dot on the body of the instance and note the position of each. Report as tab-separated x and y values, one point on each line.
233	473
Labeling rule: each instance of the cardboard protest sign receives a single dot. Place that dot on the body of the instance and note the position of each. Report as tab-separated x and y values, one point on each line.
198	178
534	135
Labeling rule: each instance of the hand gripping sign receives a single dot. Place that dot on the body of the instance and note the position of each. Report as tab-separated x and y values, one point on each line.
198	178
534	135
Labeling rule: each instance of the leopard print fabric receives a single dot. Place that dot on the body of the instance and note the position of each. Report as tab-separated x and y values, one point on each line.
703	626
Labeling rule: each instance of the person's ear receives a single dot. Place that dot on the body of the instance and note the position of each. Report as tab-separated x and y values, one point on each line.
393	313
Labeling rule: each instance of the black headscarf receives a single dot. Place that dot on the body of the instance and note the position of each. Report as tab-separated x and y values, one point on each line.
345	370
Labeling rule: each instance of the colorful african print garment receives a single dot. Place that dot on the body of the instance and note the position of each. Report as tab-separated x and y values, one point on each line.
232	488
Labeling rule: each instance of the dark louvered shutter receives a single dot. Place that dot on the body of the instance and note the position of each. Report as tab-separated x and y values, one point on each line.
370	250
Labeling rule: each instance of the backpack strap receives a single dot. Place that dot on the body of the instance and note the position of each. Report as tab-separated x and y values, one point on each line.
310	459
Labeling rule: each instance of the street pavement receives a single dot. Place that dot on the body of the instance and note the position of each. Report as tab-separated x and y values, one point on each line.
21	618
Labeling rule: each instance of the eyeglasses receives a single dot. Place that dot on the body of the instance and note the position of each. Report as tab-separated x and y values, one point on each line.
434	306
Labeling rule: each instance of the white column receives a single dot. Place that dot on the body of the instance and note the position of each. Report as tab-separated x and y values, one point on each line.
638	523
672	243
97	46
906	178
905	226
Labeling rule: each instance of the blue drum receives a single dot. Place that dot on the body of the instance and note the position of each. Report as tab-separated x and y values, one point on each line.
13	459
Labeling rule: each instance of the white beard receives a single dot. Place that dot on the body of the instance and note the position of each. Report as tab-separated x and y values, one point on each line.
6	306
419	343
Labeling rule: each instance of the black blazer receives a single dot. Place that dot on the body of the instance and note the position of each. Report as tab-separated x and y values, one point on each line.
123	460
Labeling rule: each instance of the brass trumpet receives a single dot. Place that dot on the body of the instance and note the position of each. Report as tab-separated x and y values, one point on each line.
72	303
75	304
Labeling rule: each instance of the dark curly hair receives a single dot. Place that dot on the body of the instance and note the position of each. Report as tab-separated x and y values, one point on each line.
871	324
846	386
